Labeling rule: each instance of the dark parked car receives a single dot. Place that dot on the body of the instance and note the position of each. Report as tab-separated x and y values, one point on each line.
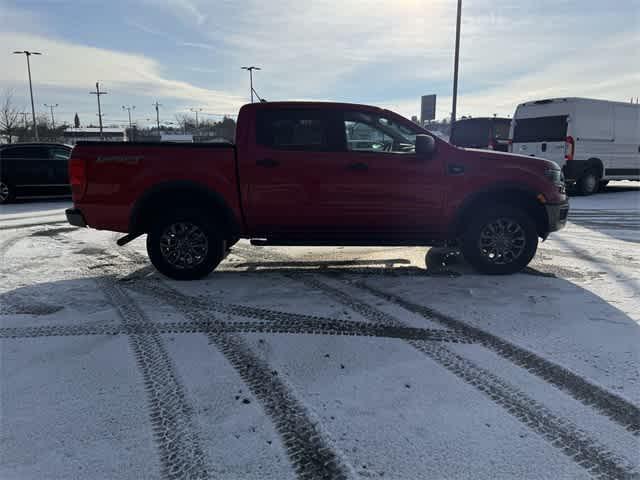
486	133
29	170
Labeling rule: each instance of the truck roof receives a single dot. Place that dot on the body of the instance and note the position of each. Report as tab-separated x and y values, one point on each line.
311	104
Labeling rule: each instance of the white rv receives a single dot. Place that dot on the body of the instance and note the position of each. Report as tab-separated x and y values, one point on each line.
594	141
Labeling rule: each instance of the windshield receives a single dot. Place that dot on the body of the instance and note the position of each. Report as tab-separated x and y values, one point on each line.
540	129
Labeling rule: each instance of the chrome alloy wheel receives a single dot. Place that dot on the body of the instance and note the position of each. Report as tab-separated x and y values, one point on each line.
502	241
184	245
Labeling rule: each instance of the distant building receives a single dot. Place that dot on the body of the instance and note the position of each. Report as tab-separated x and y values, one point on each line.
176	137
92	134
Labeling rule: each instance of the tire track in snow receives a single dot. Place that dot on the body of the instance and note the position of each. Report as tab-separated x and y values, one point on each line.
613	406
560	433
309	449
331	327
609	404
176	436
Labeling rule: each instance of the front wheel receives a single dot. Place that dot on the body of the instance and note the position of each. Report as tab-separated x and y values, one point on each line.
502	240
185	245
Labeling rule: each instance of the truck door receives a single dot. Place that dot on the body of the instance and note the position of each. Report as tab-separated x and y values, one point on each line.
378	188
290	151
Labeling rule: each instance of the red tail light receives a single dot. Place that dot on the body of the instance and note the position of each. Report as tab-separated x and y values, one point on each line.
569	148
77	177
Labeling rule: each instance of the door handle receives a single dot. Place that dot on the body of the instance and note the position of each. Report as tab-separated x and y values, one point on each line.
358	166
544	147
267	162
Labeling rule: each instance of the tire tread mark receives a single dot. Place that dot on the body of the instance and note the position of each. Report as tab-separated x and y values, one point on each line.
560	433
609	404
310	452
181	454
337	327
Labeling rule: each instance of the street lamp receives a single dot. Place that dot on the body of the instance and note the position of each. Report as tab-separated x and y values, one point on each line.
251	69
27	54
196	110
128	109
53	120
455	67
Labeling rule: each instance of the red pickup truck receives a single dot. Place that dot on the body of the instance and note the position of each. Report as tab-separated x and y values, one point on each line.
307	173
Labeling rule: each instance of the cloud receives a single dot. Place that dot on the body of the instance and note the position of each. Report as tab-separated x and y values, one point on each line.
77	67
187	10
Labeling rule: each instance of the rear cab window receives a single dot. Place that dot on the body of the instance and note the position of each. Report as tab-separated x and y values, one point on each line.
291	129
540	129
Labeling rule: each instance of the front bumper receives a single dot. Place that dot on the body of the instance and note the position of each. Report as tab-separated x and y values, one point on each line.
557	214
75	217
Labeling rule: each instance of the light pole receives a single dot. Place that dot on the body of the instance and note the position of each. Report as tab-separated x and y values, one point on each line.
97	93
196	110
27	54
157	105
455	67
128	109
251	69
53	120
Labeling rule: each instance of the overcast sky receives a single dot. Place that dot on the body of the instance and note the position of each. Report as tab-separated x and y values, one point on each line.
188	53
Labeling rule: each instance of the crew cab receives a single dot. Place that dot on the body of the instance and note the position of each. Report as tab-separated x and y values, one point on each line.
316	173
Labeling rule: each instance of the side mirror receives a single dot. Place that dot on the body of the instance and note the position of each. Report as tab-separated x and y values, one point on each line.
425	145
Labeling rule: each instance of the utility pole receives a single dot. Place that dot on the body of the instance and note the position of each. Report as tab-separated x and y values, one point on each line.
97	93
128	109
196	110
455	66
53	120
251	69
27	53
157	115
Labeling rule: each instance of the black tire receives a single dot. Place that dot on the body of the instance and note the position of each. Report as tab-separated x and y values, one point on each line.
588	183
603	183
7	193
185	245
520	233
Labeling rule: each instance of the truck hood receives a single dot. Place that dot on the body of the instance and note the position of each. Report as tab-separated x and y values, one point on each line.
525	160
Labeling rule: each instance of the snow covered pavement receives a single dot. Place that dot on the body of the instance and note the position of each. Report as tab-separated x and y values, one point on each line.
320	362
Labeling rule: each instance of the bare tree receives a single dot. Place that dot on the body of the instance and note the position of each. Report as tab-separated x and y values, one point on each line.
185	121
8	115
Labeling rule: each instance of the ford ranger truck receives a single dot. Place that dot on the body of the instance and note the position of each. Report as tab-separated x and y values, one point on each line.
316	173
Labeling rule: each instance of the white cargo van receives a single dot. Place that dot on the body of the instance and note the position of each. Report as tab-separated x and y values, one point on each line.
594	141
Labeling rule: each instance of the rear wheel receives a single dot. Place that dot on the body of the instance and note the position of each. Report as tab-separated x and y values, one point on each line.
502	240
603	183
6	193
589	182
185	245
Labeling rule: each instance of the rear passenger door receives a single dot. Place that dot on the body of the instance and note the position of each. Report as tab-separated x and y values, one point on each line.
291	149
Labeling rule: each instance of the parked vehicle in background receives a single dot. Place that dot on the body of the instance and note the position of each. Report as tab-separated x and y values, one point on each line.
311	173
30	170
594	141
491	133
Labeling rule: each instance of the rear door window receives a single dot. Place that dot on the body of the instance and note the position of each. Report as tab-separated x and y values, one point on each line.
540	129
296	130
